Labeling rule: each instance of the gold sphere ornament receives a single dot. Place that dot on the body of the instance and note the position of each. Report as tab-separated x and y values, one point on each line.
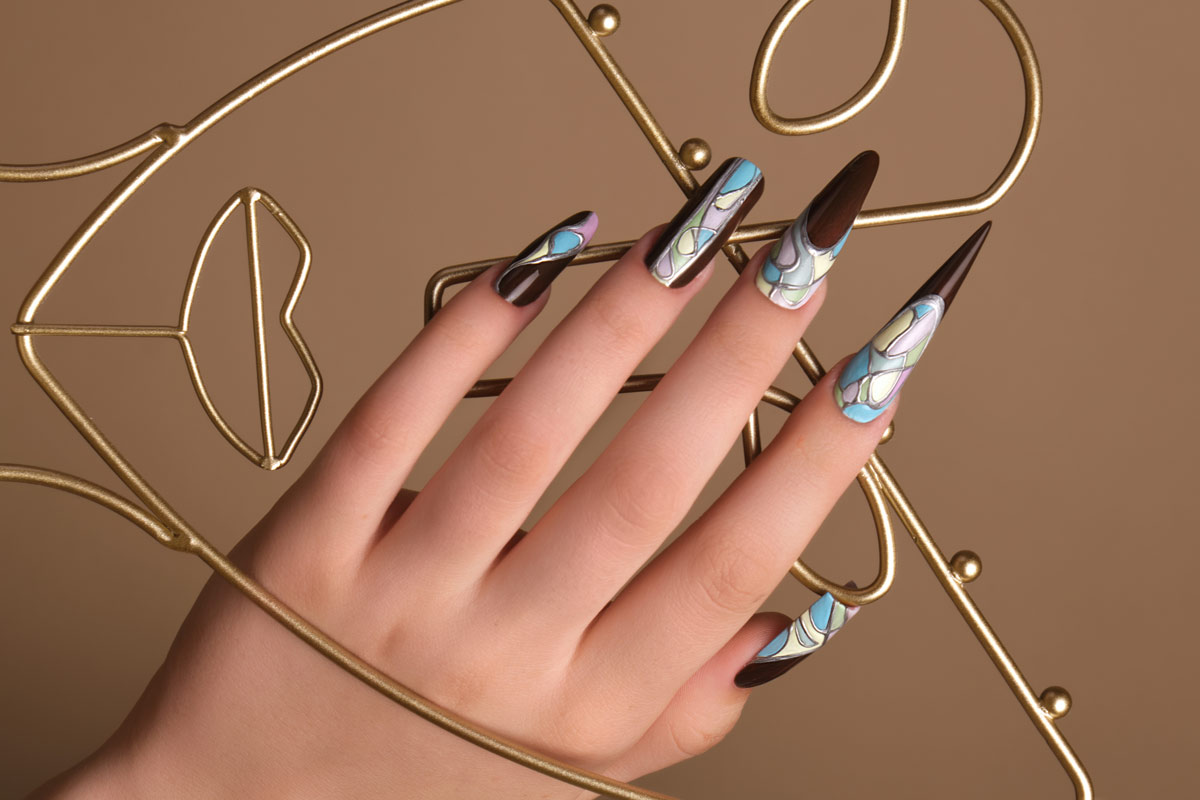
966	565
604	19
1056	701
695	153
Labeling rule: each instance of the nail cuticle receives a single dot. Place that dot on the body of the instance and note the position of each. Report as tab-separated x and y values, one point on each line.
543	259
705	223
808	633
801	259
872	379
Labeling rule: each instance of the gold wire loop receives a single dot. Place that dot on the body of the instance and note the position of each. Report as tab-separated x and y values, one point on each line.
803	126
1030	123
159	519
887	552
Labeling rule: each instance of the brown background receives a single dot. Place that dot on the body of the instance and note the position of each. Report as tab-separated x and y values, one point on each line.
1049	430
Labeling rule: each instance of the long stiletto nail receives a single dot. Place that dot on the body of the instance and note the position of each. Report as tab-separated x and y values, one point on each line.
804	254
872	379
705	222
524	280
798	641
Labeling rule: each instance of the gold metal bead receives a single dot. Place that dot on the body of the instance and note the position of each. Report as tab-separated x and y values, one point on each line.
604	19
966	566
695	153
888	433
1056	701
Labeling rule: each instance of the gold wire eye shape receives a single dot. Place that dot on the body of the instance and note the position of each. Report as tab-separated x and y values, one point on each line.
160	144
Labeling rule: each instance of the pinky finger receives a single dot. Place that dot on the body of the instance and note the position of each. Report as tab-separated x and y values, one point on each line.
370	455
706	707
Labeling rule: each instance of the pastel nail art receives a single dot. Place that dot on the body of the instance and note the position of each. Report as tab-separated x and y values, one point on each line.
802	257
871	380
808	634
705	222
524	280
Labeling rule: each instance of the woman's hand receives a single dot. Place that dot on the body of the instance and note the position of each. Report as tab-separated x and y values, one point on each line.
547	638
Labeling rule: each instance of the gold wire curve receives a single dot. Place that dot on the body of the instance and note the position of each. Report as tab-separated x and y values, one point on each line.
165	141
249	199
802	126
28	173
72	484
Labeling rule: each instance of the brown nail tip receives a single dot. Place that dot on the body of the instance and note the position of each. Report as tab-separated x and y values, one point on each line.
532	270
676	263
832	212
753	675
946	281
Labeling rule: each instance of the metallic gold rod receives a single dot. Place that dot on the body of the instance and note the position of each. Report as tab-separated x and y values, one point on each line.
87	428
174	139
751	439
250	202
185	538
21	173
802	126
667	153
983	631
446	277
402	695
131	331
169	140
443	279
286	67
974	204
629	96
53	479
231	436
1030	124
157	505
886	574
288	324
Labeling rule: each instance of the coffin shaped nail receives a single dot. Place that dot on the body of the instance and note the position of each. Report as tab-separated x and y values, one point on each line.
705	222
796	642
802	257
871	380
535	267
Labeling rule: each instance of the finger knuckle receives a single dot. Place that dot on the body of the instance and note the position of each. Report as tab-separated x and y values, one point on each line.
459	331
618	325
691	737
741	349
733	577
588	739
512	452
640	498
376	436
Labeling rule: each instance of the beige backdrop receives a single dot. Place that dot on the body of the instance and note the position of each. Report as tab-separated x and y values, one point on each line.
1049	430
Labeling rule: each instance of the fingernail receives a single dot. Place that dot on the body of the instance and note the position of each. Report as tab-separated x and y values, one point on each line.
871	380
803	256
524	280
705	222
796	642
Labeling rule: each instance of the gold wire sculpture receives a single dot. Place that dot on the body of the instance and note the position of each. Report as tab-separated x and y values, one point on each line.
161	521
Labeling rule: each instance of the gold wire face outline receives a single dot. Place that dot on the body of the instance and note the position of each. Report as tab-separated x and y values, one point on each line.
162	522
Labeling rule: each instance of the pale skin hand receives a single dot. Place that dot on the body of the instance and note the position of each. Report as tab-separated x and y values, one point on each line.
519	638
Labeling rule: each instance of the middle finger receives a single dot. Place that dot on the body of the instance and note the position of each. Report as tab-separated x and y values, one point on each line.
613	518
